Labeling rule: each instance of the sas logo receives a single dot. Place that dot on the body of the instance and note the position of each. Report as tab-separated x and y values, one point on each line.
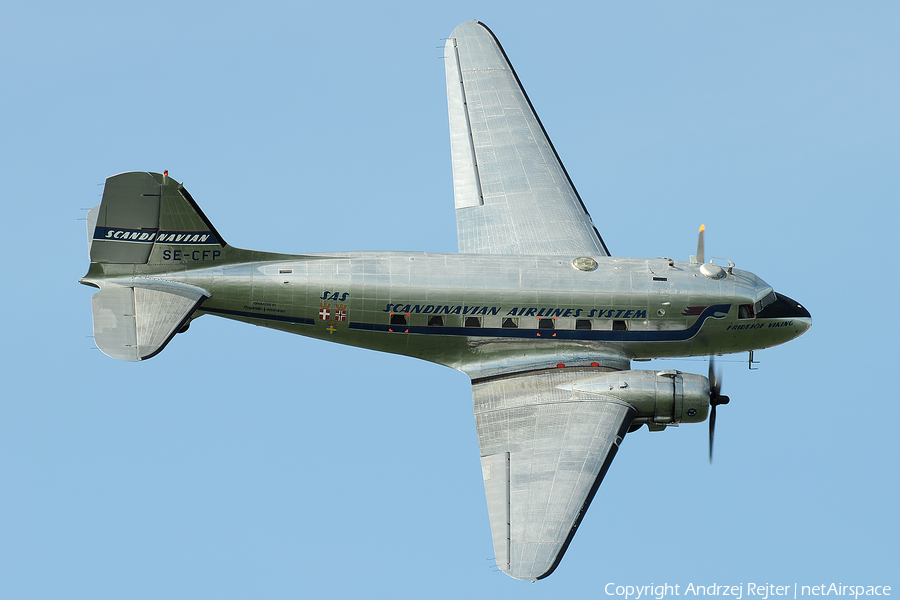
334	296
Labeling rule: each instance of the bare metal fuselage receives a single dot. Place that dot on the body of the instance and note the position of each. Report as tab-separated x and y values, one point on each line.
493	309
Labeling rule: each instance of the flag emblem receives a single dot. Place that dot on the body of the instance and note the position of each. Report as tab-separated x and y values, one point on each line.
340	312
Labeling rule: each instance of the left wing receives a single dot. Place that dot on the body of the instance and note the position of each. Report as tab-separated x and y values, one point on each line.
544	452
513	194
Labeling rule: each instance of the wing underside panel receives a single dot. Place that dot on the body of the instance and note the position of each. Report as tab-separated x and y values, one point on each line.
544	453
512	193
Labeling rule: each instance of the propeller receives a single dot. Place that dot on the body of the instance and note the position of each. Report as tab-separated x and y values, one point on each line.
715	391
700	249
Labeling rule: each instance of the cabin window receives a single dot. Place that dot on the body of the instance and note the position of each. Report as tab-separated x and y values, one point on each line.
285	271
510	323
620	326
745	311
398	319
435	321
583	324
545	324
473	321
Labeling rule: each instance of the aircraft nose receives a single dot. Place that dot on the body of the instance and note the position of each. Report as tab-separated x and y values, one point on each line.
786	308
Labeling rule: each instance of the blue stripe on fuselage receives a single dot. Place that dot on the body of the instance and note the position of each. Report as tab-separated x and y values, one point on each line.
561	334
262	316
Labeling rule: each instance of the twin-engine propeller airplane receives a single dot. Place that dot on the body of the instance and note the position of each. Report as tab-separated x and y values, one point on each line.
533	307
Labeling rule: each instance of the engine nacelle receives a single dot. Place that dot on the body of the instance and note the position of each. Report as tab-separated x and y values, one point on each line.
660	398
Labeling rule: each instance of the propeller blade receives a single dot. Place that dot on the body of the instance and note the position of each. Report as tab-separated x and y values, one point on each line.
715	399
700	249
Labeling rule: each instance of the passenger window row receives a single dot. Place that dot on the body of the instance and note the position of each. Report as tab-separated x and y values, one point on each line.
402	320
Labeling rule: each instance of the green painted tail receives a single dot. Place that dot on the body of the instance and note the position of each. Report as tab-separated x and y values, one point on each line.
146	231
149	218
147	240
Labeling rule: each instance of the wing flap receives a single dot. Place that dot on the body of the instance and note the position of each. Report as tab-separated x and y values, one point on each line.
512	193
544	453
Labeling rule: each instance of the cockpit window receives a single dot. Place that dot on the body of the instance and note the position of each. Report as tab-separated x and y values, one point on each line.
745	311
764	301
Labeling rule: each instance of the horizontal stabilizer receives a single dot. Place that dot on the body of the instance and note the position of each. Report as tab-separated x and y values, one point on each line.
136	322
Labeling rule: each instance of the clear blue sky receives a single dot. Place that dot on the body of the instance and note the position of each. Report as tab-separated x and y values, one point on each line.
245	463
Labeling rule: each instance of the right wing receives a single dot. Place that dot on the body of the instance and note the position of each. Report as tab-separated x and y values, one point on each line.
544	452
513	195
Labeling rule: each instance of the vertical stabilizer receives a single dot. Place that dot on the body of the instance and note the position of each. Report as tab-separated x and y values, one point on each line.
140	210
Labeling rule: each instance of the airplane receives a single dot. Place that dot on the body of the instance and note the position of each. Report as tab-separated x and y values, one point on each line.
533	308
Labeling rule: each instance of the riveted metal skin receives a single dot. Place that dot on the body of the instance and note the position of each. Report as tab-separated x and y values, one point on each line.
700	317
455	310
534	308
